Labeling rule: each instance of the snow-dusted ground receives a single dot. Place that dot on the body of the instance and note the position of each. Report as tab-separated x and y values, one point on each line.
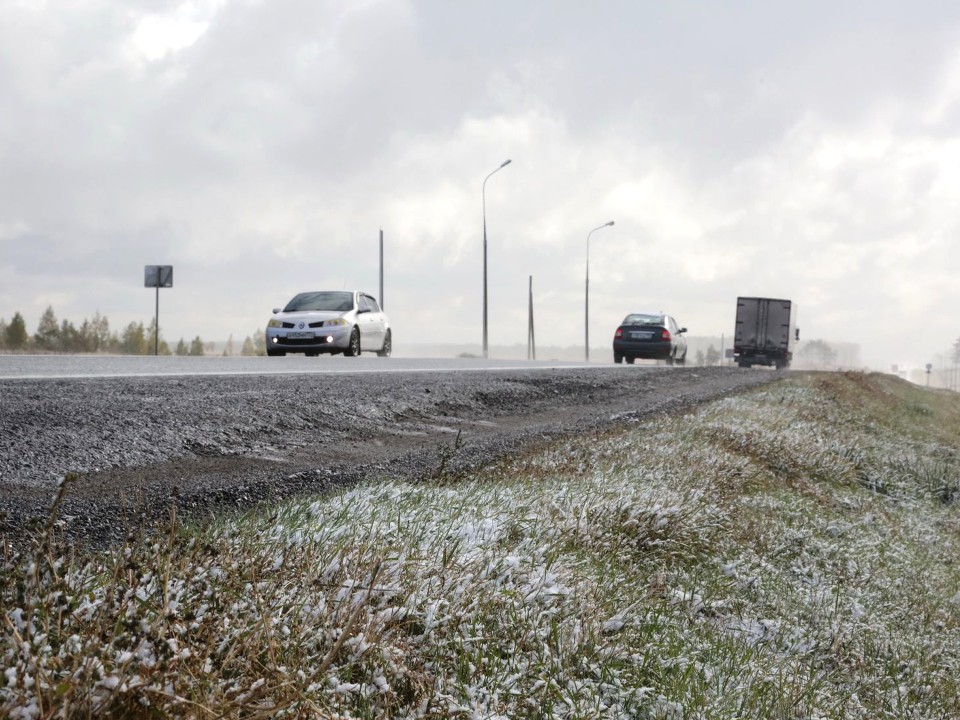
786	554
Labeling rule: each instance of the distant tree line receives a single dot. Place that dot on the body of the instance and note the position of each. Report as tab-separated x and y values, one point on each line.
93	335
709	358
818	353
809	354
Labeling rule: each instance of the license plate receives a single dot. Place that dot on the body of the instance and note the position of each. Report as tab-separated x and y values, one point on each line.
641	335
300	336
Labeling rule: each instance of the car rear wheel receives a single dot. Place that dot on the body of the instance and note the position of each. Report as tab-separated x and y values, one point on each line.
682	360
354	348
387	345
275	353
669	359
617	358
630	360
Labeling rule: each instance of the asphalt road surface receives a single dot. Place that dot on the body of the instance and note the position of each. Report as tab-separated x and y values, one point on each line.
88	366
221	436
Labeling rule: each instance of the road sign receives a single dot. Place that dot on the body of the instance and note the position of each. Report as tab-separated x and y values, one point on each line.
158	276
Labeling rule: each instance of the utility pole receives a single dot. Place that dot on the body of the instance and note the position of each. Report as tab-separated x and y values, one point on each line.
381	269
586	297
531	341
483	197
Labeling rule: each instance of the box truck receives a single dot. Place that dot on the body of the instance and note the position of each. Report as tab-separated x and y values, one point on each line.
765	333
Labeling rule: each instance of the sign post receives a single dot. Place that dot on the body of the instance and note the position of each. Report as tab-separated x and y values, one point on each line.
157	276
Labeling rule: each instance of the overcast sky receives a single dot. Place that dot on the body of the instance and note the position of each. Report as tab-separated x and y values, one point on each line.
800	150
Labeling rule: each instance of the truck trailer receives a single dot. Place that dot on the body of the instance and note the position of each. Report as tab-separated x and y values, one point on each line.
765	333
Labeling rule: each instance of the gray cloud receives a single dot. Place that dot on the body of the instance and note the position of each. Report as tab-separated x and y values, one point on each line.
805	151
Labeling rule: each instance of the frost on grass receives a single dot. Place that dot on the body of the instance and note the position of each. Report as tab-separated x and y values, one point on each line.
791	553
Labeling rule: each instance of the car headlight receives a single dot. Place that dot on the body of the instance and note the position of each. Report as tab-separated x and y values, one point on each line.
275	323
334	322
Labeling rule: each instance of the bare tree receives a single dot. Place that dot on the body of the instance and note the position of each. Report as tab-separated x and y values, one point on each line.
713	356
818	353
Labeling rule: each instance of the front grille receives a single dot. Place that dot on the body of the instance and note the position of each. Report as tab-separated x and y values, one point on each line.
288	325
317	324
307	341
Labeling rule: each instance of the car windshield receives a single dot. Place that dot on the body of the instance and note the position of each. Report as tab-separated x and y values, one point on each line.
642	319
330	301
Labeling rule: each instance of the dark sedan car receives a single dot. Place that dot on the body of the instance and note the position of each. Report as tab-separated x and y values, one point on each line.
650	336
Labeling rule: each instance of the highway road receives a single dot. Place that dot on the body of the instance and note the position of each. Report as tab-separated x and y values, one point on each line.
224	434
37	367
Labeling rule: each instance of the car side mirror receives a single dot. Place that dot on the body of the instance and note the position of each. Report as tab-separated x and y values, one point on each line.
797	331
276	310
360	311
682	330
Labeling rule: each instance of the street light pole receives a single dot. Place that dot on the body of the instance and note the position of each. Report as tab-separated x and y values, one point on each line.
484	198
586	297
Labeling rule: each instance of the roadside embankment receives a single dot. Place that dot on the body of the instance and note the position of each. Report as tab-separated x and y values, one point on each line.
790	551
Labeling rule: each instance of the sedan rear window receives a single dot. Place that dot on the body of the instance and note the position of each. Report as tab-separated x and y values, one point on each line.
642	319
331	301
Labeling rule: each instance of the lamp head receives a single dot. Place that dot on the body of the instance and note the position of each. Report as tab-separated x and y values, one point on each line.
609	223
505	163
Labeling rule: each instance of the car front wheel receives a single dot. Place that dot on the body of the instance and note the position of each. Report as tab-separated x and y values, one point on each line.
617	358
354	348
387	345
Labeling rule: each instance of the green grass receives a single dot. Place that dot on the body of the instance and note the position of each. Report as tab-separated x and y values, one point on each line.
789	553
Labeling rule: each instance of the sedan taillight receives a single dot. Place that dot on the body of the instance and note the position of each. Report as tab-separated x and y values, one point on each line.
618	333
665	335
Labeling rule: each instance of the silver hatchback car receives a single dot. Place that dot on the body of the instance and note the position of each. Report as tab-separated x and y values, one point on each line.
330	321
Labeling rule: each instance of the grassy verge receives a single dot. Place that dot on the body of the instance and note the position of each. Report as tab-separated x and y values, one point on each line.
789	553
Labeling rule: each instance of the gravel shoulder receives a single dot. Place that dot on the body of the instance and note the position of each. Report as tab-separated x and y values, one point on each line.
213	444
